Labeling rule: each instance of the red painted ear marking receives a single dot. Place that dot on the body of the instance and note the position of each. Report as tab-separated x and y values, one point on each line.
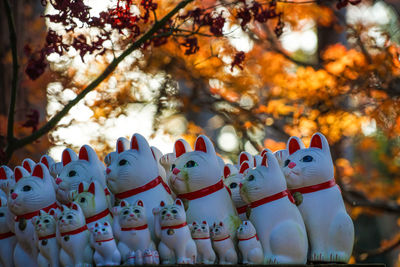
45	162
120	146
66	157
316	141
27	166
75	207
140	203
52	212
162	204
0	203
154	156
263	152
178	202
255	162
221	224
243	158
204	222
200	145
227	171
179	148
106	223
194	223
134	143
96	225
38	172
91	188
264	161
245	223
123	204
293	146
80	188
83	154
17	174
3	174
243	167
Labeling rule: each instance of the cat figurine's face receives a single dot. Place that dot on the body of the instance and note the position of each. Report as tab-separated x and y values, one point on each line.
132	215
102	231
4	213
233	178
246	230
195	170
219	231
45	224
308	166
31	192
71	219
91	198
172	214
200	230
133	167
264	180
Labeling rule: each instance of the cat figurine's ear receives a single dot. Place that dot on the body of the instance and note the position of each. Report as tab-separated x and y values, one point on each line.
140	144
264	161
47	160
5	173
162	204
123	204
318	140
28	164
221	224
244	167
265	150
40	170
178	202
181	146
229	169
75	206
245	156
20	172
204	144
139	203
294	143
54	213
87	153
92	188
122	145
81	188
68	155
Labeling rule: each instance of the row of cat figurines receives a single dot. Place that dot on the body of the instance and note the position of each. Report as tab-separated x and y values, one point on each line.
263	184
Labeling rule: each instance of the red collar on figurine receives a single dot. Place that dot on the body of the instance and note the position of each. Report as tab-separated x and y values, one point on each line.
144	188
244	239
314	188
174	226
225	238
199	238
105	240
272	198
6	235
202	192
142	227
241	209
30	215
98	216
47	237
76	231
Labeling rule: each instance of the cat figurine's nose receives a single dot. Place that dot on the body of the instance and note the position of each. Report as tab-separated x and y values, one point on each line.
58	181
108	170
176	171
292	165
14	195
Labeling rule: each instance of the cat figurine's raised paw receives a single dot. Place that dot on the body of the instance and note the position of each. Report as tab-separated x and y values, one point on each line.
106	251
201	236
249	245
223	244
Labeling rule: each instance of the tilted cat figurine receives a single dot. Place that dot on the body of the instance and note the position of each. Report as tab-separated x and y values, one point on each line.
309	172
223	245
249	245
7	237
106	251
135	234
197	179
46	241
283	235
176	245
30	194
74	237
134	176
201	236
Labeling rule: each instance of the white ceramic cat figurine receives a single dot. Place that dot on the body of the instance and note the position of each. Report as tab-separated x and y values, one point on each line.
201	236
74	237
134	234
30	194
232	180
134	176
6	179
309	171
93	202
283	235
7	237
176	245
151	257
197	179
223	245
249	245
103	242
45	235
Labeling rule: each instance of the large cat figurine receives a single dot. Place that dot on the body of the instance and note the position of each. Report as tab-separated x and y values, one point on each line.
106	251
201	236
197	179
7	237
176	245
134	176
309	172
277	220
30	194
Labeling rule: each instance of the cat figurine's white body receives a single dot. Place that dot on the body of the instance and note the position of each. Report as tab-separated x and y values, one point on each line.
74	237
201	236
134	231
309	171
277	220
233	178
134	176
176	244
197	179
106	251
46	241
249	245
7	237
223	244
30	194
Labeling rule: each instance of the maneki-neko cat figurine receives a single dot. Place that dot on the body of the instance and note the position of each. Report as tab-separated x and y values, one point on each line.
309	173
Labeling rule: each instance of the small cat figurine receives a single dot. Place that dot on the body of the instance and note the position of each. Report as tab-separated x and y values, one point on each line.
223	245
6	179
46	241
74	237
134	234
283	235
197	179
309	173
106	251
30	194
7	237
151	257
176	245
249	245
201	236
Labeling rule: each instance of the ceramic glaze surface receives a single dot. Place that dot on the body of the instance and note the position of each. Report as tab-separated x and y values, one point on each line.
232	180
